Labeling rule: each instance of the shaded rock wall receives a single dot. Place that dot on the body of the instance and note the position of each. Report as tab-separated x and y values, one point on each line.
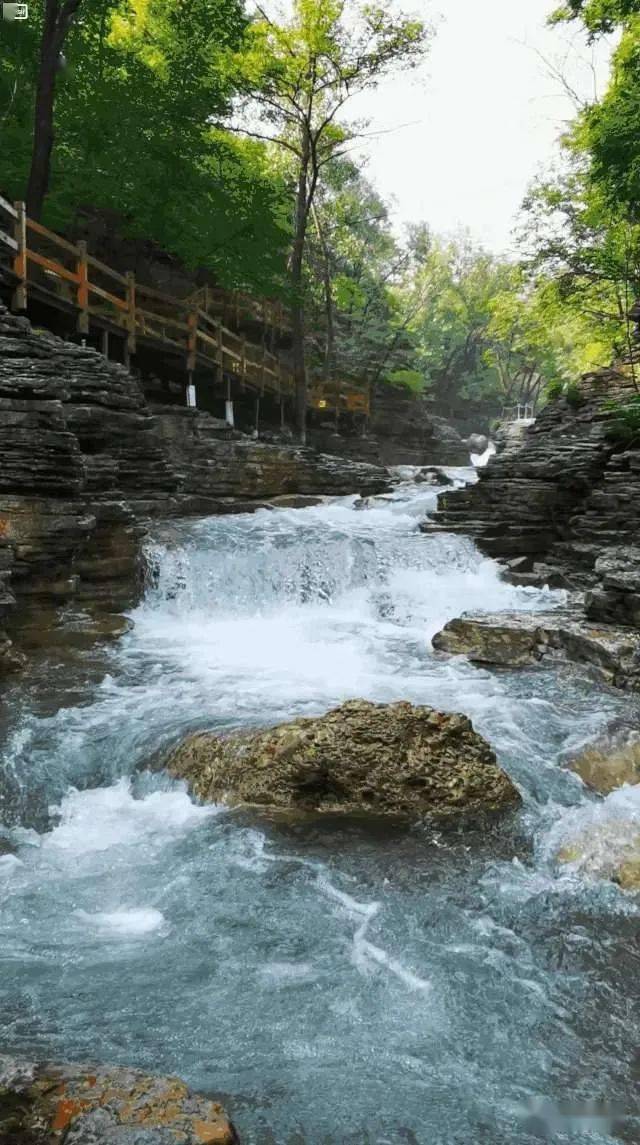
80	462
402	431
84	463
565	496
213	464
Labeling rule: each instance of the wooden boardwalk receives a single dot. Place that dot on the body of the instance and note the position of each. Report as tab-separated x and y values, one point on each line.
196	330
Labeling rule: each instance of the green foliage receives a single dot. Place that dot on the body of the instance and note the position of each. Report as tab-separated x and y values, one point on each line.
410	379
573	395
554	389
598	16
138	117
609	131
625	424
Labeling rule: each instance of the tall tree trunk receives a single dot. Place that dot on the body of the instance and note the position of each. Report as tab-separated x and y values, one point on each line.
330	346
297	306
57	21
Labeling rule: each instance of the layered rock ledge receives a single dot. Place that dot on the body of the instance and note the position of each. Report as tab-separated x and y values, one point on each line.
46	1104
85	462
564	494
377	759
524	639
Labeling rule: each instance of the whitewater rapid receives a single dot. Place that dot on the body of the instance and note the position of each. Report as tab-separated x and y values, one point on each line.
334	984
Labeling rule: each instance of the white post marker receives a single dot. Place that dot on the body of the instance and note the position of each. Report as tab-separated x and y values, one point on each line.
191	396
228	413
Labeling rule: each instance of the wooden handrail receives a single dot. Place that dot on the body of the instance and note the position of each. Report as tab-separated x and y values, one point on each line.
57	240
195	326
8	208
55	267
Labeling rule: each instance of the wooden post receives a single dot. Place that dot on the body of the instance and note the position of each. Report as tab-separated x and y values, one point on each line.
131	313
19	300
192	340
257	416
220	349
82	270
237	304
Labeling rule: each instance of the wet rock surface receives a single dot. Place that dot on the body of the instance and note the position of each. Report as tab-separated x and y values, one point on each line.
609	850
46	1104
521	639
607	764
378	759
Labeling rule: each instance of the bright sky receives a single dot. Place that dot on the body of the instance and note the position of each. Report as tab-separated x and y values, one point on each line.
484	114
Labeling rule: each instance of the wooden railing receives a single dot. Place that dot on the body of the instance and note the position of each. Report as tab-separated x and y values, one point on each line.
197	328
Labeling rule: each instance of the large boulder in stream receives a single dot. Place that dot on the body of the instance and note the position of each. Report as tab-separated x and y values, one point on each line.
44	1104
377	759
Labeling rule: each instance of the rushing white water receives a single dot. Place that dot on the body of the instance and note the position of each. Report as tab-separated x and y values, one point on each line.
336	984
479	460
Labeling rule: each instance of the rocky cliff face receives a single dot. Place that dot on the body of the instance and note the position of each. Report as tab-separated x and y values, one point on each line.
79	464
84	462
218	469
402	431
563	498
564	508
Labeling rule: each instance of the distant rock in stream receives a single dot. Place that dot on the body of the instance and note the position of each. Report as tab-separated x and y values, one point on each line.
45	1104
523	639
377	759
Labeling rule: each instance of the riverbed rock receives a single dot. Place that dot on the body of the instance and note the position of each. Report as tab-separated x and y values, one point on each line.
46	1104
523	639
432	475
616	598
607	850
607	764
377	759
477	443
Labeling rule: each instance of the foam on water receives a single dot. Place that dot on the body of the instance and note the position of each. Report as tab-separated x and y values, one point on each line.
128	923
109	817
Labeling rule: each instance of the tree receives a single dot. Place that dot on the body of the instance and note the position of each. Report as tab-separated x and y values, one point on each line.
354	264
598	16
58	18
140	115
300	75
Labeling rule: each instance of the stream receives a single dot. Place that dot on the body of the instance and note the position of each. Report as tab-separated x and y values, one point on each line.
332	983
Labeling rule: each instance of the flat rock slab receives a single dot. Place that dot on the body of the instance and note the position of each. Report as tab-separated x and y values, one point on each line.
361	758
44	1104
522	639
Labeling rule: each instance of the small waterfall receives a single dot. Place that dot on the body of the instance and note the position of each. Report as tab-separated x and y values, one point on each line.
292	968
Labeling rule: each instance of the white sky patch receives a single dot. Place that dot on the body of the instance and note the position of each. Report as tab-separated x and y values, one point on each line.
484	114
